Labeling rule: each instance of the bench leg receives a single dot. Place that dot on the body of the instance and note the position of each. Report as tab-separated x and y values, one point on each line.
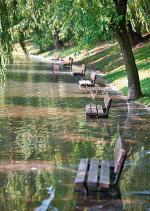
116	191
86	189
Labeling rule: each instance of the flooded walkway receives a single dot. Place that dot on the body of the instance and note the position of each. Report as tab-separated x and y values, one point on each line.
44	133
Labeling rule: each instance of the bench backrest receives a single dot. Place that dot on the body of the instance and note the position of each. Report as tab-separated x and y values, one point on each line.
56	56
70	61
83	69
106	105
93	77
119	158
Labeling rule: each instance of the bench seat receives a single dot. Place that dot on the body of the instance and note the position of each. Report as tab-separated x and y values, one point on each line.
94	110
91	110
94	175
88	83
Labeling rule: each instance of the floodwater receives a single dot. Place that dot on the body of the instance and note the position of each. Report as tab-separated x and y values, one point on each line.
44	133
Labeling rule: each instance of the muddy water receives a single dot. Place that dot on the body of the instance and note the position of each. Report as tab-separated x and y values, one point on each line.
44	133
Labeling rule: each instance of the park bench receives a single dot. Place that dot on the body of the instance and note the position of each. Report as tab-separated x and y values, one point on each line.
104	175
94	110
80	73
89	83
56	57
69	63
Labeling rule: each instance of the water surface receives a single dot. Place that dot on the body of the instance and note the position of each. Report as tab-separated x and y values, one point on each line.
44	133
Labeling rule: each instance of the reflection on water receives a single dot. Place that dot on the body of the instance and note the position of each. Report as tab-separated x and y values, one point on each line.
44	133
46	203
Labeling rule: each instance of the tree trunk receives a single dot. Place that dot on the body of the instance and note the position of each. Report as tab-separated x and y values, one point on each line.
58	43
134	90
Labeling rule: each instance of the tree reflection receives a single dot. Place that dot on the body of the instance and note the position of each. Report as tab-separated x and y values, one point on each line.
32	139
25	191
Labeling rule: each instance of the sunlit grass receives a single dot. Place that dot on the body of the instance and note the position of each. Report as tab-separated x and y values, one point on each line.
142	56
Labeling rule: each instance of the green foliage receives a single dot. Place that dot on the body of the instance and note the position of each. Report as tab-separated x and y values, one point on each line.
139	15
5	37
45	42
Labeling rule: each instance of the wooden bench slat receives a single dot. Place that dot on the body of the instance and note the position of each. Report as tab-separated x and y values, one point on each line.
93	173
105	174
82	169
111	163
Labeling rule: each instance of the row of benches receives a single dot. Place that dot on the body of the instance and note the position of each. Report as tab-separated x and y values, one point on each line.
93	110
93	174
58	60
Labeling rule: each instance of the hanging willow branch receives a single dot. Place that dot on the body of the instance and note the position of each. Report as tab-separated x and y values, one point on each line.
5	38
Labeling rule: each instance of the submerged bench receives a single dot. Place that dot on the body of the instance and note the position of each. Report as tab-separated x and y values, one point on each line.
80	73
89	83
94	110
56	57
96	175
69	63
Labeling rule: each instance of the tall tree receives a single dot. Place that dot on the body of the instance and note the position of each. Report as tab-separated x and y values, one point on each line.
134	90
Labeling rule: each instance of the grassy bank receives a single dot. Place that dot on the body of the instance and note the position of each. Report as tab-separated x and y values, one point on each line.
107	58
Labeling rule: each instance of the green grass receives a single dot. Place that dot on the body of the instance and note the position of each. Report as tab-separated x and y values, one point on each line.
109	60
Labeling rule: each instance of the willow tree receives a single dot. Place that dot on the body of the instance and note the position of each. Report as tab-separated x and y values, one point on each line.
5	38
12	27
138	18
